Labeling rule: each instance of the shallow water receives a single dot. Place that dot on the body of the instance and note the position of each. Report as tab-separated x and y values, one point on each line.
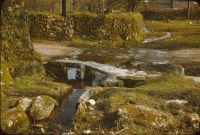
69	107
71	78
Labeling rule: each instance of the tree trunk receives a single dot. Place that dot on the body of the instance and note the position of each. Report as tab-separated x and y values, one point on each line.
109	6
64	8
99	6
52	6
35	2
188	15
103	6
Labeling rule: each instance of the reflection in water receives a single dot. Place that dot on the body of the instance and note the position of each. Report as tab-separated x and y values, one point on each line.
71	74
94	79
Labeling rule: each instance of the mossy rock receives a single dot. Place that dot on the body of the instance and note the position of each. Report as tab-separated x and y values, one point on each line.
15	121
6	78
144	115
42	107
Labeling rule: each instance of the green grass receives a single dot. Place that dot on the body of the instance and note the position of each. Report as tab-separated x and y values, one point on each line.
184	35
170	87
151	96
31	86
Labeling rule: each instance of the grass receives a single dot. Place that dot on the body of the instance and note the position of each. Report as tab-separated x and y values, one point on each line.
184	35
146	106
31	86
169	87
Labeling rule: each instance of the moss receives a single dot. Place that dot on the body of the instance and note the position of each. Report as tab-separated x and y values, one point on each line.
42	107
6	78
110	27
15	121
146	105
172	86
126	26
36	85
16	47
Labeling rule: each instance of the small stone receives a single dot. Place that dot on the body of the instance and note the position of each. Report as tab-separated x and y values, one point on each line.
39	125
51	35
69	133
195	120
122	112
87	132
42	130
25	103
58	88
103	132
177	101
141	73
91	102
47	26
90	108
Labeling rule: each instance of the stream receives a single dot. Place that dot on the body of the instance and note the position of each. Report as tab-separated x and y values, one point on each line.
113	60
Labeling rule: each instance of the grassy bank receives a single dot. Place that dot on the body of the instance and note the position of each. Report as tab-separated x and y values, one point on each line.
184	35
30	86
146	108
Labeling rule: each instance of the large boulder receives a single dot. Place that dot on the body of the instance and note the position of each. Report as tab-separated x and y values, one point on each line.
42	107
15	121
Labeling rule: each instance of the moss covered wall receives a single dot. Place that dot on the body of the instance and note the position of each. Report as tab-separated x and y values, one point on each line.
44	25
17	52
125	26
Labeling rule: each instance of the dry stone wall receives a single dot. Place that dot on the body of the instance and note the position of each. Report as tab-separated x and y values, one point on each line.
112	27
50	26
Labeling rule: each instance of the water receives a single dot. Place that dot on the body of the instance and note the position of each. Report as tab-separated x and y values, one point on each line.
148	40
69	107
71	78
71	74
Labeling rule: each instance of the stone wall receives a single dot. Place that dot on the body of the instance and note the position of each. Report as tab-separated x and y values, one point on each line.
123	26
50	26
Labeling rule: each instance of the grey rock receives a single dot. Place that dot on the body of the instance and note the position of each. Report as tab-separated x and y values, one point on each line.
177	101
91	102
42	107
87	132
25	103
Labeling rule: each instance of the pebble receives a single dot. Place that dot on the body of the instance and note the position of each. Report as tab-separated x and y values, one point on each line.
177	101
91	102
87	132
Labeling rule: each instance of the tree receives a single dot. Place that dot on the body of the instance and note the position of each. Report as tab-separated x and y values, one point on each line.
132	4
35	5
109	5
53	2
74	4
64	7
